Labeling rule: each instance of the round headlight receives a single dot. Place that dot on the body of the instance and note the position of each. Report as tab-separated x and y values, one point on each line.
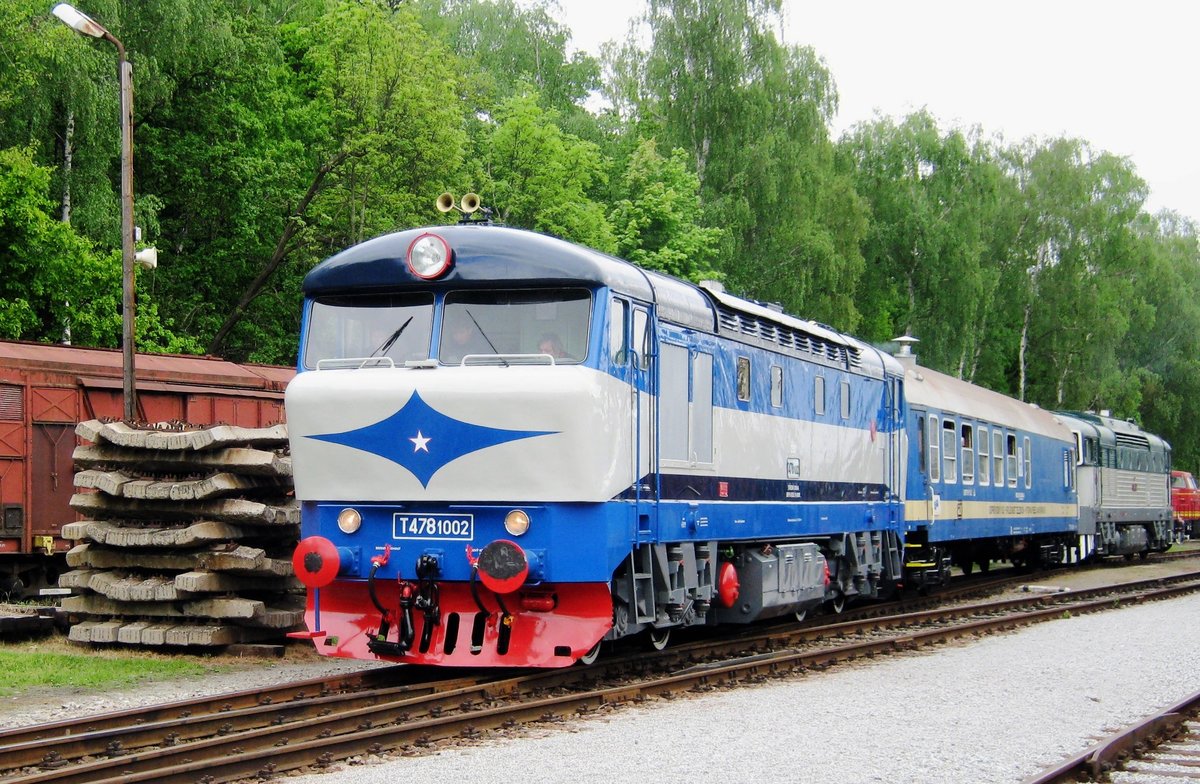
429	256
516	522
349	521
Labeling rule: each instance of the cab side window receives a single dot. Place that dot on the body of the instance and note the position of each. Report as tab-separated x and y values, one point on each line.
618	321
743	378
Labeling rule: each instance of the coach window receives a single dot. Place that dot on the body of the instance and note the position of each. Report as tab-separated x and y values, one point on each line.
743	378
617	323
845	396
776	386
984	458
949	451
935	452
968	455
819	395
921	443
1012	460
997	458
1028	455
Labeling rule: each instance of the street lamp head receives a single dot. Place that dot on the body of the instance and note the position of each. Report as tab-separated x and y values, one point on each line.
78	21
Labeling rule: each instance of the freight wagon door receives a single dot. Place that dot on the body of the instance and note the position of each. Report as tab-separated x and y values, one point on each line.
12	468
53	478
55	411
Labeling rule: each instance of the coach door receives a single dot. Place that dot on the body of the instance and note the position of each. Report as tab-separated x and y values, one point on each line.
896	436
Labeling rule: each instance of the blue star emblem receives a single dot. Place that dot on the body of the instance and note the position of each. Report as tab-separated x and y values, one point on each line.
423	440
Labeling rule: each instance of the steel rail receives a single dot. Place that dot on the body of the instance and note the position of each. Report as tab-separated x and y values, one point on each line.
218	703
466	712
1101	758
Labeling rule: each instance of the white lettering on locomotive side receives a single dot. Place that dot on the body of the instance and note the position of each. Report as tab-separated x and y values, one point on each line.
419	526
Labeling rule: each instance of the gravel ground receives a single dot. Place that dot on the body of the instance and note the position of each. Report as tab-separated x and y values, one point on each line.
997	709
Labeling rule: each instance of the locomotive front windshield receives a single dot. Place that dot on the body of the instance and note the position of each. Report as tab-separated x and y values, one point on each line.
482	324
397	326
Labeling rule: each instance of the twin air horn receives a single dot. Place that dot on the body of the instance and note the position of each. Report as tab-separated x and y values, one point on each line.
468	206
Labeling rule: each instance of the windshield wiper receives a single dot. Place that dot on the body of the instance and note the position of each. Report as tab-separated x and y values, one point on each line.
387	344
491	345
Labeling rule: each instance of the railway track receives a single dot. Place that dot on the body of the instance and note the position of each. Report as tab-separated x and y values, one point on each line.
1162	747
314	724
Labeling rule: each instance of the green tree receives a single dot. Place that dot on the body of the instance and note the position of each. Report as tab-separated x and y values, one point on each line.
507	49
540	178
372	131
1080	253
937	204
657	222
54	284
41	253
752	115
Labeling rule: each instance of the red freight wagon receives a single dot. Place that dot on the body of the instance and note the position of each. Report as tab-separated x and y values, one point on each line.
45	390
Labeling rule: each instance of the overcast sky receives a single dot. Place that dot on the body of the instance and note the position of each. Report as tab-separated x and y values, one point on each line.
1120	75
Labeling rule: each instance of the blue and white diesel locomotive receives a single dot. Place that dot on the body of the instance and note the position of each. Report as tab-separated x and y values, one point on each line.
509	448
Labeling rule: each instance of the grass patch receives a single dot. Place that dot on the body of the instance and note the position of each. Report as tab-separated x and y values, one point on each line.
51	664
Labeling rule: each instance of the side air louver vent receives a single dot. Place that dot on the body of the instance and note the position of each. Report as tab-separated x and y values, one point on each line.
12	407
1135	442
788	337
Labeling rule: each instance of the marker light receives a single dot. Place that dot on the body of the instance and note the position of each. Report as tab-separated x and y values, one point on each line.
516	522
349	521
429	256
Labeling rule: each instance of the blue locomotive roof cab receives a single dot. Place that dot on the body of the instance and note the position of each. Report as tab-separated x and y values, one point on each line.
491	257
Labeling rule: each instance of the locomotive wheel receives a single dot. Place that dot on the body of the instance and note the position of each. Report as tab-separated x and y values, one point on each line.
801	615
659	638
589	658
837	604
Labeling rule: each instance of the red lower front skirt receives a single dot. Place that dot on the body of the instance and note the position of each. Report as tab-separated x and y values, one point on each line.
549	626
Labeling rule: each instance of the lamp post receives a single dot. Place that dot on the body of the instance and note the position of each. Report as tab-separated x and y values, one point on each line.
82	23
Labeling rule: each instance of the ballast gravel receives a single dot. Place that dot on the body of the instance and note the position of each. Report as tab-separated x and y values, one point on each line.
997	709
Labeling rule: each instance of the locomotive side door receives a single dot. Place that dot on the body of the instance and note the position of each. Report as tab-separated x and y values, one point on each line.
644	419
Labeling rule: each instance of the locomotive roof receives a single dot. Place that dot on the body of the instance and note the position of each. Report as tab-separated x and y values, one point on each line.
486	254
931	389
1111	430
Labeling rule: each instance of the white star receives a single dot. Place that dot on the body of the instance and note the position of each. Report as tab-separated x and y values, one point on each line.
420	443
